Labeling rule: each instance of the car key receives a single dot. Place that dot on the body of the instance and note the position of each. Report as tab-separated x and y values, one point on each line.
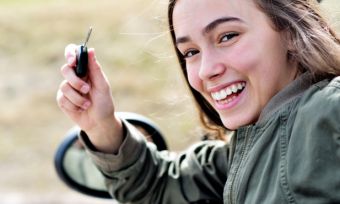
82	57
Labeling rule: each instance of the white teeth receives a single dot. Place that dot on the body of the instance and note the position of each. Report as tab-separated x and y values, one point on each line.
224	93
229	91
234	88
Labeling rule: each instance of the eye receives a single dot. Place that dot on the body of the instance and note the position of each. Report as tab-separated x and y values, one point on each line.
228	36
190	53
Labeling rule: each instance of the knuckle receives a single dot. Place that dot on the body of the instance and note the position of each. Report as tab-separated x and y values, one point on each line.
64	69
62	101
66	105
64	87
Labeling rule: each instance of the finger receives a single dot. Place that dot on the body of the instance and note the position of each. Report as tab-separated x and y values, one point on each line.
73	96
70	54
97	76
76	82
65	105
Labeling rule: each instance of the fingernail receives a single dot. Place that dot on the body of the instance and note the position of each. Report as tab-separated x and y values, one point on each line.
86	105
84	89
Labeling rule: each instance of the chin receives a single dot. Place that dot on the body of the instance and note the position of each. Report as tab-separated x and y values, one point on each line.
232	123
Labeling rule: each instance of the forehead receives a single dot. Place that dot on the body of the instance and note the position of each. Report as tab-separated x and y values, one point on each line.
190	14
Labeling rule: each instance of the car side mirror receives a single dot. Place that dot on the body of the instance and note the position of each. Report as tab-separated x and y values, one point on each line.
75	168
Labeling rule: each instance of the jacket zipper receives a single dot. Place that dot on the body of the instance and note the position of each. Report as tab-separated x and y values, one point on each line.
231	201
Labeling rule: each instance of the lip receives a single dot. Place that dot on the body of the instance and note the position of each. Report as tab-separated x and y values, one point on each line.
234	102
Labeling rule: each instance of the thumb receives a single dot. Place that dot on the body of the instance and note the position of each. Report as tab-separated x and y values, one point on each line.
96	74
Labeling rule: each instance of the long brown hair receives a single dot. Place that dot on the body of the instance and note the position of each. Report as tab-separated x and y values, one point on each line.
316	45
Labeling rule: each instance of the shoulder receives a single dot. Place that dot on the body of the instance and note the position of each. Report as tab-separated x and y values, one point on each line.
316	125
314	150
326	89
318	112
321	101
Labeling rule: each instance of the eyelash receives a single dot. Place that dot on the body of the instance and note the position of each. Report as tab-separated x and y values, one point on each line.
228	35
192	52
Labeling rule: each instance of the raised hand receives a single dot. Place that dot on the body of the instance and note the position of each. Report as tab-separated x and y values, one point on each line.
89	103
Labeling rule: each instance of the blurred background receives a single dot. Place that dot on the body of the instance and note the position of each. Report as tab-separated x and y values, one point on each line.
134	48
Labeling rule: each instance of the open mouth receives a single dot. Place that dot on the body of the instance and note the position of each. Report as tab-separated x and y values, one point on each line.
229	93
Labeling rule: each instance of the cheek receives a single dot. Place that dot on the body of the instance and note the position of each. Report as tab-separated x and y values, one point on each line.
194	79
244	57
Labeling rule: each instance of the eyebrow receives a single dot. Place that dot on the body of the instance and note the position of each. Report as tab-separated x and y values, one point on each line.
211	26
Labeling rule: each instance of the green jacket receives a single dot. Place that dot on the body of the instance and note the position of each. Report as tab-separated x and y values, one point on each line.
291	155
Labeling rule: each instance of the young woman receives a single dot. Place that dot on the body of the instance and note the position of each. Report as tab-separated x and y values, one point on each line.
265	69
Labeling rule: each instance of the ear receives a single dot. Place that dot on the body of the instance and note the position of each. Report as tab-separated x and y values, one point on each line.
289	44
289	40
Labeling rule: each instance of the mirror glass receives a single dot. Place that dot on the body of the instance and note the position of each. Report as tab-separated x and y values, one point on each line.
81	169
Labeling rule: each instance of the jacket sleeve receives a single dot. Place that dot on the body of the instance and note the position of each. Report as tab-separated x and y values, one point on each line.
314	158
141	174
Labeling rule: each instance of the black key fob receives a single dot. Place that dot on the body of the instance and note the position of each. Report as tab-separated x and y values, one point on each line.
82	58
82	61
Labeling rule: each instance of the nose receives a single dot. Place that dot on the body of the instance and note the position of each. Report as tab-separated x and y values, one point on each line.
212	67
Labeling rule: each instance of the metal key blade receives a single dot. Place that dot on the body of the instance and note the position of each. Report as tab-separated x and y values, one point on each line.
88	36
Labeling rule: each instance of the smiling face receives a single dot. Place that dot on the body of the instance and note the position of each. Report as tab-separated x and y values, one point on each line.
234	58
